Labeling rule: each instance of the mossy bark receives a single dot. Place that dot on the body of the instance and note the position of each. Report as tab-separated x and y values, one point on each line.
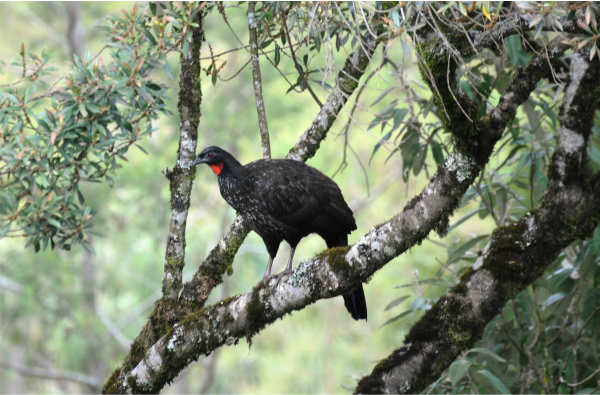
181	178
516	255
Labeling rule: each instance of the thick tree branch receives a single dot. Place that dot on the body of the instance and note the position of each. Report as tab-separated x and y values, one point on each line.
257	83
327	275
220	259
515	256
182	176
514	24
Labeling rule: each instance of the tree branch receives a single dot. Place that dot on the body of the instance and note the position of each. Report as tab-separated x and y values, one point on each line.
192	299
257	83
327	275
47	374
298	67
515	256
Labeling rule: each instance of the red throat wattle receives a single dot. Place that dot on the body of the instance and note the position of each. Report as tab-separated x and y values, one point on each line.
217	168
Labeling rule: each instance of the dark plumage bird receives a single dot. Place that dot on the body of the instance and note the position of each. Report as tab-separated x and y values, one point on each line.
283	199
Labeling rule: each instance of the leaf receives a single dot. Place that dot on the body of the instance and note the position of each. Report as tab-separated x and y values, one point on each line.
494	381
559	276
169	71
488	353
419	160
463	219
396	17
485	11
54	223
5	230
88	247
457	370
277	55
266	44
378	145
445	7
501	198
464	248
396	318
417	303
462	9
80	197
438	154
399	117
396	302
552	299
383	94
525	157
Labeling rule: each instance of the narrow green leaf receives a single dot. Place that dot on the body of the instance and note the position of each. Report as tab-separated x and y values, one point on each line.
396	318
54	223
464	248
436	150
396	302
457	370
488	353
494	381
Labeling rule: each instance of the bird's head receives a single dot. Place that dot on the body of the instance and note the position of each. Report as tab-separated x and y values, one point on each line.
215	157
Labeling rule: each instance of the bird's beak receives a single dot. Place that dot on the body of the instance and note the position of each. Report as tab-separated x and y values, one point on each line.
197	161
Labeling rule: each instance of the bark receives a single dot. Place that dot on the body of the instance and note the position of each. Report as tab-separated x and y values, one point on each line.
74	28
514	258
327	275
257	84
181	178
156	360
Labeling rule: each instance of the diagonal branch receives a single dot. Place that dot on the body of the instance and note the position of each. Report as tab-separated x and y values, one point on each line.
516	255
220	259
76	377
326	275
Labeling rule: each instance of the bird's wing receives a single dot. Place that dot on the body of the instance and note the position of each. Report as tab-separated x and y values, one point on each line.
299	196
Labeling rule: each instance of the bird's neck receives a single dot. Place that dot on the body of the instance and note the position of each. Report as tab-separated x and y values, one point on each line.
231	168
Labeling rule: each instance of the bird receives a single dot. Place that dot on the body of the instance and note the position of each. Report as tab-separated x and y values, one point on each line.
284	199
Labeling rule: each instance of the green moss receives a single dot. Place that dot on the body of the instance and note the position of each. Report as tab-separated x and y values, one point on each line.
111	386
219	262
336	258
256	314
457	112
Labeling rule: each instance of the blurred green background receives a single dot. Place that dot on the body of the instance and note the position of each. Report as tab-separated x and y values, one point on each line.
74	311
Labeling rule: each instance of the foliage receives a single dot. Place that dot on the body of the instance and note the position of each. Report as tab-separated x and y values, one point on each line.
55	137
76	128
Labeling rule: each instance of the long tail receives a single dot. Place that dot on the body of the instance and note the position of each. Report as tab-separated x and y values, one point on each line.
355	301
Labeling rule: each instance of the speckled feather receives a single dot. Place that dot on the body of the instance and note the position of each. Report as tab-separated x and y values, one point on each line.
287	200
283	199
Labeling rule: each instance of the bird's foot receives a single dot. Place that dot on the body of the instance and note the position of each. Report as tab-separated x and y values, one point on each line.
263	283
286	272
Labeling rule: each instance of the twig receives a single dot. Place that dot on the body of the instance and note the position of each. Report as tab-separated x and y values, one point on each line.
46	374
298	67
257	84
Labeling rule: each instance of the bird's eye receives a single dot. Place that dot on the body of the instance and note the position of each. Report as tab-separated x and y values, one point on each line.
210	154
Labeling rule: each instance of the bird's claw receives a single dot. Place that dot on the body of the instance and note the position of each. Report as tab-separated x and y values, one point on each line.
287	272
263	283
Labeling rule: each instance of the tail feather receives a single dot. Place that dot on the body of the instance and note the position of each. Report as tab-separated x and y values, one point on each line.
355	301
356	304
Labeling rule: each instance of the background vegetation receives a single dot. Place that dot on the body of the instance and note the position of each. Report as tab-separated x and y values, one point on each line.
77	311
